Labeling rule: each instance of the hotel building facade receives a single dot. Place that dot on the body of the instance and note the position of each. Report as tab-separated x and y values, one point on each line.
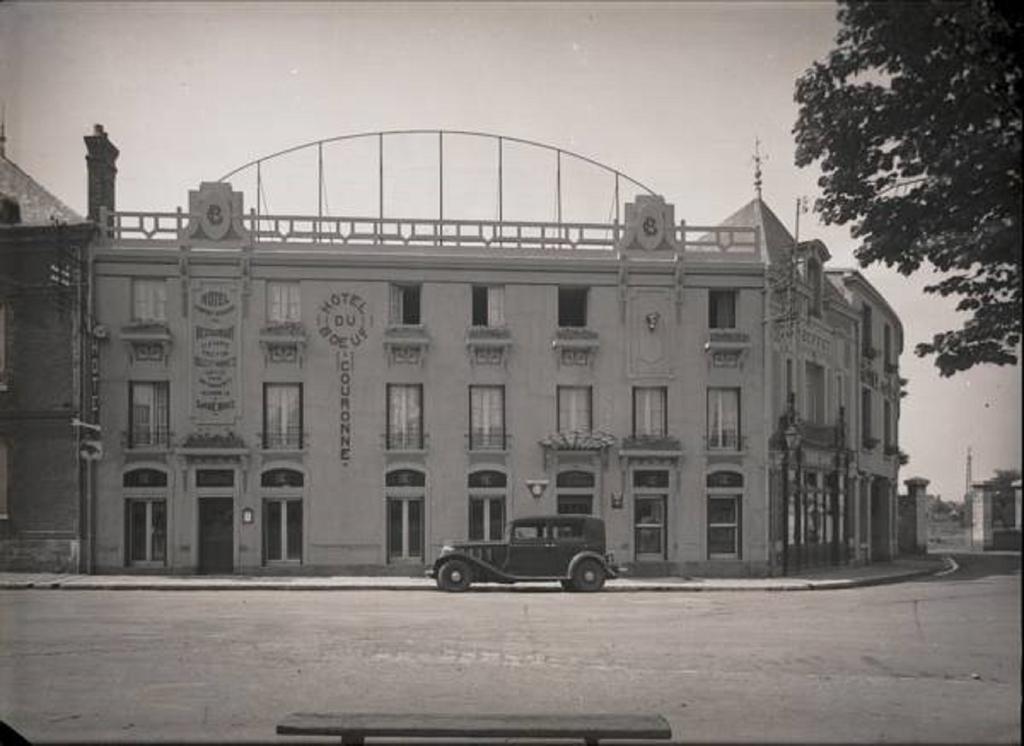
350	397
314	394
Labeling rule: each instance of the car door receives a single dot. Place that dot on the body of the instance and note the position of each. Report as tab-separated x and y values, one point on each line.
528	550
567	540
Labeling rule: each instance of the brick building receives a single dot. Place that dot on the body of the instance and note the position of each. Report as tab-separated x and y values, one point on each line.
44	377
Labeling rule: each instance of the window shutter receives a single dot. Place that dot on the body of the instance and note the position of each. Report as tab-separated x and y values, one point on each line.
495	305
396	304
162	405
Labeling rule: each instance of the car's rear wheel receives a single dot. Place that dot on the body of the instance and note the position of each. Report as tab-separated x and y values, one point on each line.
588	576
455	576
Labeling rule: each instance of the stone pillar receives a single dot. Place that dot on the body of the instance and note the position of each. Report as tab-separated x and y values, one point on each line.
1016	505
913	517
981	518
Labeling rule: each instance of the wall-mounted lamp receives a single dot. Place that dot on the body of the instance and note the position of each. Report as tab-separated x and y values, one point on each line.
617	501
537	487
248	516
652	320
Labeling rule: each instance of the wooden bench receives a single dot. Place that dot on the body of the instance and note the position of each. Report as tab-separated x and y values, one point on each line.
354	727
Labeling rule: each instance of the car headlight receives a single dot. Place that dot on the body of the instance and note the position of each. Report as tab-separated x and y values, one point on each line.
447	549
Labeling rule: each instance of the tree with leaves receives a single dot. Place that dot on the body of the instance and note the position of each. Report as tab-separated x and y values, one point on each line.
915	116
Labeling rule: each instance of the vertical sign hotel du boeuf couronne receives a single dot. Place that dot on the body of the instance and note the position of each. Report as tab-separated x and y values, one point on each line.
342	319
215	353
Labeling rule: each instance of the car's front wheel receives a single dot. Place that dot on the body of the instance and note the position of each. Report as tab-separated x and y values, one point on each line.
454	576
588	576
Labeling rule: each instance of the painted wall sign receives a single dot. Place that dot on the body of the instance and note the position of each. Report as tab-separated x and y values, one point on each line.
342	319
215	353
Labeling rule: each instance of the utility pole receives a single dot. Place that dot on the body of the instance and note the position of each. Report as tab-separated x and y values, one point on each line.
967	472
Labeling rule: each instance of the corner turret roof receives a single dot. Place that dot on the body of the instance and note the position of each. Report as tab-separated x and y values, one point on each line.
778	241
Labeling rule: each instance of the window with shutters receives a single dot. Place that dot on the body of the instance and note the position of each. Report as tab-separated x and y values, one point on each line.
404	417
149	300
283	302
723	423
488	305
282	415
149	405
650	411
574	409
405	305
487	418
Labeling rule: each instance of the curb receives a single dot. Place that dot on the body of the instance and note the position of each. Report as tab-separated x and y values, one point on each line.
950	566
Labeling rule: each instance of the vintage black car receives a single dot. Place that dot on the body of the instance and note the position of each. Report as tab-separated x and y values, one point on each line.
568	548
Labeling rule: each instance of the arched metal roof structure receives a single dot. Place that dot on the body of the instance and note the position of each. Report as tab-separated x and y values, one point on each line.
500	140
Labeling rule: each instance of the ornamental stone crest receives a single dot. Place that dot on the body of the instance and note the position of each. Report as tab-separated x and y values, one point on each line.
215	213
650	225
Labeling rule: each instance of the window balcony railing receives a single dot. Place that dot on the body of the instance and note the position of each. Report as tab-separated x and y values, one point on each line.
869	442
150	437
286	440
405	441
726	441
487	333
819	434
651	442
488	440
731	337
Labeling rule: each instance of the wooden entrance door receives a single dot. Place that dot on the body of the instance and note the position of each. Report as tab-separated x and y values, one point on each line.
216	535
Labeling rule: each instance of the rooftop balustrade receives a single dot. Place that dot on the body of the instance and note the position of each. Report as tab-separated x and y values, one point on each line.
132	229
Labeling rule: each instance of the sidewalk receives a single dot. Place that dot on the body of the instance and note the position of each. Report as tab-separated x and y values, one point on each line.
831	578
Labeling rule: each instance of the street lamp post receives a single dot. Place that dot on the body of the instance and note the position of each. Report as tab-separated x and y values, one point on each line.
838	488
790	442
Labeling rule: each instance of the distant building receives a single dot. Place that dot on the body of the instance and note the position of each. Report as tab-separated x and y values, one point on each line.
44	375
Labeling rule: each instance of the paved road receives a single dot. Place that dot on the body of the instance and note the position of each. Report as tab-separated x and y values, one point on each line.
936	660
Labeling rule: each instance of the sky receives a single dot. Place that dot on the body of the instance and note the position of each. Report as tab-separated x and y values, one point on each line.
672	94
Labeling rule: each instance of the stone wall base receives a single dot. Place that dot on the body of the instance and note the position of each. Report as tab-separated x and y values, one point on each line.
19	554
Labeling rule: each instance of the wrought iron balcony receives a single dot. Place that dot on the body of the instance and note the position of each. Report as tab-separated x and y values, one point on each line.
291	439
726	441
667	443
819	434
488	333
727	338
147	438
488	440
405	441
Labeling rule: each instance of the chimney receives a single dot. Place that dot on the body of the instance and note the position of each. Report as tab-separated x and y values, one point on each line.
100	158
